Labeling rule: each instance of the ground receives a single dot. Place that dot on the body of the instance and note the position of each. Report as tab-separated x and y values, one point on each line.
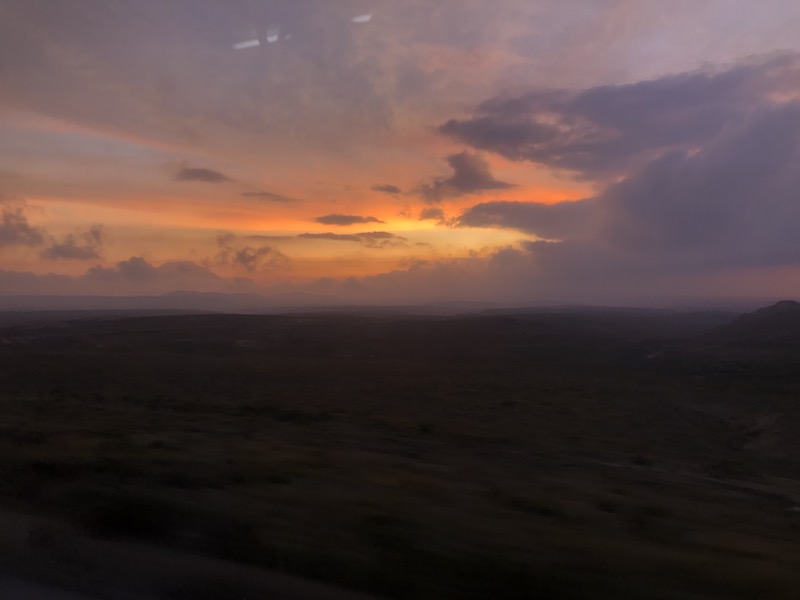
561	454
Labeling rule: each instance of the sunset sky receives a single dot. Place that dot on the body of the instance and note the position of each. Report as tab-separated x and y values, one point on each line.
591	151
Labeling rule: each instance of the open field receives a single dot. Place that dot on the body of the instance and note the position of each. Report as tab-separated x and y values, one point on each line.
562	454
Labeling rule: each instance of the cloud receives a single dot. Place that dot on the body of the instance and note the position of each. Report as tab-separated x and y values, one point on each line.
734	202
379	235
138	276
559	220
135	268
201	175
434	213
336	237
431	214
420	281
83	246
322	84
338	219
601	132
15	230
387	189
134	276
266	238
327	84
708	198
269	197
370	239
249	258
471	175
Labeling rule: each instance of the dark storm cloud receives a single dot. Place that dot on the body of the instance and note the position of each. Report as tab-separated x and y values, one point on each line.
249	258
387	189
269	197
82	246
201	175
471	175
370	239
708	197
338	219
602	132
15	230
563	219
734	202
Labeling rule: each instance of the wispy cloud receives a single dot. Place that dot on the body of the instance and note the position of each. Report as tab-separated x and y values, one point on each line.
201	175
370	239
135	276
336	237
269	197
339	219
386	188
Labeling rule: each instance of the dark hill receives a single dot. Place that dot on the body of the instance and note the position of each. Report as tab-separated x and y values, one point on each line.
776	324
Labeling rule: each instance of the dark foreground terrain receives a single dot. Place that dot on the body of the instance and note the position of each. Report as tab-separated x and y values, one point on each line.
558	455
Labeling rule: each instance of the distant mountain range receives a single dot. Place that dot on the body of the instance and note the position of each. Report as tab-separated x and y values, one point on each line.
180	300
779	322
220	302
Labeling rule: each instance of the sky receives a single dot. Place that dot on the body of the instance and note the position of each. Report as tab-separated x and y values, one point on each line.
402	151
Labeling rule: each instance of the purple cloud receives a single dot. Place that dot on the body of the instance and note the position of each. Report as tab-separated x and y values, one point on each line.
601	132
471	175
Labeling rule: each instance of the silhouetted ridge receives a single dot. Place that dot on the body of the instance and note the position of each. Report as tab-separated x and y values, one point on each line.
779	323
